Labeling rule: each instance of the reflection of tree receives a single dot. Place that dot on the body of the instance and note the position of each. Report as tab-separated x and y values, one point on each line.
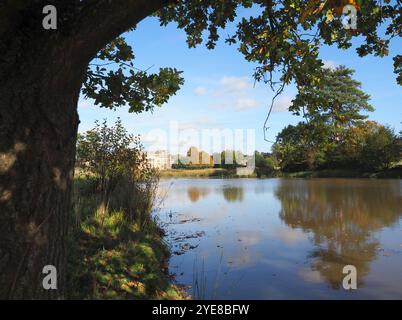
342	215
195	193
233	194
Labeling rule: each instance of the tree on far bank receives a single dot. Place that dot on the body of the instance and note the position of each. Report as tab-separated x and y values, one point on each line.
367	146
336	99
301	147
335	133
381	147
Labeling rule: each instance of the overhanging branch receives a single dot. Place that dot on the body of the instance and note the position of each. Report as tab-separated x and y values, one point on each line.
102	21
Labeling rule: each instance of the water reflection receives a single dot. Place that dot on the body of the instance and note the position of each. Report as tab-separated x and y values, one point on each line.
233	193
230	193
195	193
342	216
287	238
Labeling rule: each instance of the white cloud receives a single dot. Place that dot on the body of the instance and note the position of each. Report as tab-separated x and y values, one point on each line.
329	64
290	236
245	104
156	139
250	238
312	276
235	84
218	105
282	104
233	93
200	91
201	123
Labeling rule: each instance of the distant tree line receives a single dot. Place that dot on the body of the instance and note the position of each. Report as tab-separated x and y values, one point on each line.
367	146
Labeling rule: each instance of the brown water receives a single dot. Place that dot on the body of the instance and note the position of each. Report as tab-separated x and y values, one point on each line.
284	238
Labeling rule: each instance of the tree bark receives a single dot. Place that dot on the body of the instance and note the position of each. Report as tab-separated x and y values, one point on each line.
41	74
39	122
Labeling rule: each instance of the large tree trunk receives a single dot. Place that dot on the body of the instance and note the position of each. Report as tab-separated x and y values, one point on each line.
39	122
41	73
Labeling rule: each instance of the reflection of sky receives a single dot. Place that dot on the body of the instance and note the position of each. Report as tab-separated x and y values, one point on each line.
249	250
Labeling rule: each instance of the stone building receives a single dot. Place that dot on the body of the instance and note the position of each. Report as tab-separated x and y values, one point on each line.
160	159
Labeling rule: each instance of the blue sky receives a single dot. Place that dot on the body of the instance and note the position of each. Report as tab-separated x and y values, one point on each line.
219	92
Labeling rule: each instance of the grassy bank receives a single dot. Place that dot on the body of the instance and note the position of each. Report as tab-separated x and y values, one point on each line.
394	173
199	173
118	253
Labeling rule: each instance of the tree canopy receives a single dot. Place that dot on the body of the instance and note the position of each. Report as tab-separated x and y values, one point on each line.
337	99
283	39
329	107
335	133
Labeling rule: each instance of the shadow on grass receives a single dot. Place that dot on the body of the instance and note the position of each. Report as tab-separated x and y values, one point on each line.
116	257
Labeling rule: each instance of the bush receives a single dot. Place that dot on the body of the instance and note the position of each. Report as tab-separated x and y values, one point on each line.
266	164
301	147
116	251
114	159
381	148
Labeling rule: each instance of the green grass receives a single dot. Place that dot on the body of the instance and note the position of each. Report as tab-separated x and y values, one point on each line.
203	173
198	173
395	173
116	257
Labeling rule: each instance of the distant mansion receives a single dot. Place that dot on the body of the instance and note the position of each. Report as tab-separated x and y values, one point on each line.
162	160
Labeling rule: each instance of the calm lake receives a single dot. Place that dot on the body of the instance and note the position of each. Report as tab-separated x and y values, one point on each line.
284	238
